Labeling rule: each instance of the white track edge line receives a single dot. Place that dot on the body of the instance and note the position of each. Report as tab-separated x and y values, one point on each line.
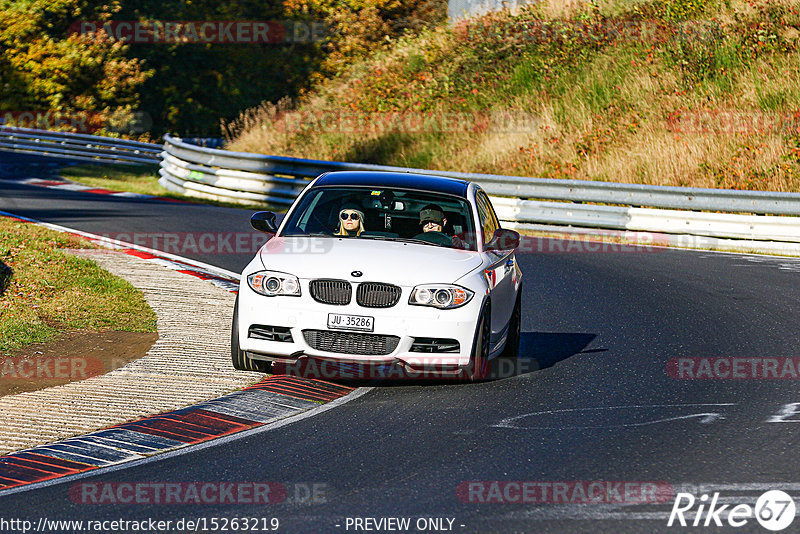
191	447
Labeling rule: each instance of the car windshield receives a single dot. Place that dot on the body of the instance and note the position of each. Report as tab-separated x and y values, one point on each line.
388	214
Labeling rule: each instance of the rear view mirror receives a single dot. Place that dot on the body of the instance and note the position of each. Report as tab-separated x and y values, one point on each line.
503	240
264	221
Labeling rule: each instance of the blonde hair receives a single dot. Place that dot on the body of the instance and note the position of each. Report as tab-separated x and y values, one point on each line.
342	231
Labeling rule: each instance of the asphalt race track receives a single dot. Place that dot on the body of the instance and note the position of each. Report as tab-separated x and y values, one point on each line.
601	327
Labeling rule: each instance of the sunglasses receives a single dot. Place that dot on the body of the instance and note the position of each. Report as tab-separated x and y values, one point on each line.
353	216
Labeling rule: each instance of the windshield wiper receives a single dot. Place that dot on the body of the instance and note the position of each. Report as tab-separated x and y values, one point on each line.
379	237
391	238
420	241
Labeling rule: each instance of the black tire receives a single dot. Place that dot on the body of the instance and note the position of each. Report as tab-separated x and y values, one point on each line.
511	350
239	359
478	368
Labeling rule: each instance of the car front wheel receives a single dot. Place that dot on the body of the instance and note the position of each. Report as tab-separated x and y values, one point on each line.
240	360
511	350
478	368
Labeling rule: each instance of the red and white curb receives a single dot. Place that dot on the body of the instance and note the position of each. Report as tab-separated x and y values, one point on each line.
264	404
274	398
223	278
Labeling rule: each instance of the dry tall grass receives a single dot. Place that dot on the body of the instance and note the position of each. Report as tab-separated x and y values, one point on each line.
721	113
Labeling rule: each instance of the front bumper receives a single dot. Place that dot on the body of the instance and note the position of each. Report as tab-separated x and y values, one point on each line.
402	320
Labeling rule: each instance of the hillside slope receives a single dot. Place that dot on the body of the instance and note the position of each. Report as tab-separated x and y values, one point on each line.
685	92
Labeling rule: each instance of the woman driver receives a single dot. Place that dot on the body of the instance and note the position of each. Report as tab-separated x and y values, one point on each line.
351	221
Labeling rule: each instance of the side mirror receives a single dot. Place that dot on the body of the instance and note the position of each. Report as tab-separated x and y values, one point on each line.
503	240
264	221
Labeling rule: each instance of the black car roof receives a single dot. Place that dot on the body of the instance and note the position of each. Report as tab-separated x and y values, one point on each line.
402	180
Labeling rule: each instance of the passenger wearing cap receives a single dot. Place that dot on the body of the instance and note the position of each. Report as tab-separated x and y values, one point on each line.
432	220
351	221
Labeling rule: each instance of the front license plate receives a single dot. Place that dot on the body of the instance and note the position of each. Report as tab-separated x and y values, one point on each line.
351	322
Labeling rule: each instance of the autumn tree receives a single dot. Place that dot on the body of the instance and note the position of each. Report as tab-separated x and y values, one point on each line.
359	27
46	66
196	84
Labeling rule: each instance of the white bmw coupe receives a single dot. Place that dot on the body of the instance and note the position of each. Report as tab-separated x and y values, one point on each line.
405	272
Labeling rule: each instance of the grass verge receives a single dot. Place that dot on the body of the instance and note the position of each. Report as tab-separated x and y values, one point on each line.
142	180
53	292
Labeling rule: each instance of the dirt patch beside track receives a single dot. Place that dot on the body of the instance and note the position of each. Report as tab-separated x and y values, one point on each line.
70	357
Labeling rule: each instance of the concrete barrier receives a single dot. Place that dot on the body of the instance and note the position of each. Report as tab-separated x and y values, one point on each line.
460	9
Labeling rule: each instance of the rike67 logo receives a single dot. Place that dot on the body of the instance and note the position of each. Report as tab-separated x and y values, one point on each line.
774	510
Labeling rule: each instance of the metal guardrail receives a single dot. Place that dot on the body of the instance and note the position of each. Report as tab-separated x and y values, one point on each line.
208	142
80	147
520	213
238	176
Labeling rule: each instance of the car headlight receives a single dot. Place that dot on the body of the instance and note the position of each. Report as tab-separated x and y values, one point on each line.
442	296
272	283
